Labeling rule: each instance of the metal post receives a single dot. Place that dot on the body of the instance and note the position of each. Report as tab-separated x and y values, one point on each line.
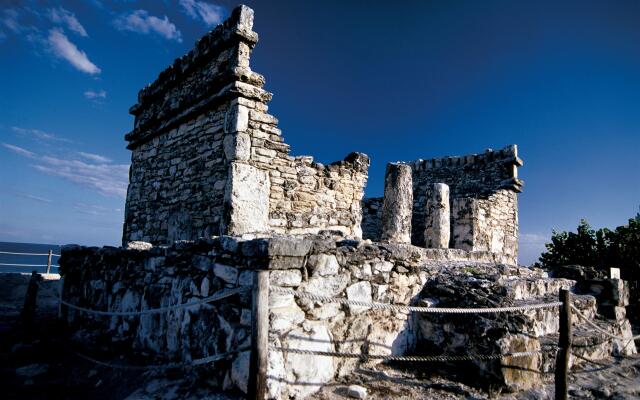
564	346
257	386
49	261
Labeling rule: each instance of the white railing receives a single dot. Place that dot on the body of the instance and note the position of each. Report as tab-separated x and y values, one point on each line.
48	265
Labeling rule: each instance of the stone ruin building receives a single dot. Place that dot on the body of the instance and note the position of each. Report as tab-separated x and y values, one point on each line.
215	194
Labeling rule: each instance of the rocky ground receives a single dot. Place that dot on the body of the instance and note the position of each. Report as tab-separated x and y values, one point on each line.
40	362
42	365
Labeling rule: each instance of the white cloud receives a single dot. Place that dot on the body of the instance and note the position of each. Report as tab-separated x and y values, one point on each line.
61	16
63	48
141	22
531	245
10	20
102	176
38	134
211	14
93	209
92	94
19	150
36	198
533	238
95	157
107	179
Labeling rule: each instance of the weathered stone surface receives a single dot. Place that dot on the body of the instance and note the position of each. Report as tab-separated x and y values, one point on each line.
357	392
137	245
247	194
397	205
437	228
227	273
286	278
360	291
308	373
240	370
323	264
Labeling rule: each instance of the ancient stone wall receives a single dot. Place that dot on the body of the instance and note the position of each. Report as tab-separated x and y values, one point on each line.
491	178
117	279
208	159
179	171
483	199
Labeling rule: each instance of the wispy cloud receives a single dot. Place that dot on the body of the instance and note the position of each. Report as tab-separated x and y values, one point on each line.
36	198
93	209
100	175
19	150
107	179
211	14
38	134
9	19
140	21
533	238
92	94
61	16
63	48
95	157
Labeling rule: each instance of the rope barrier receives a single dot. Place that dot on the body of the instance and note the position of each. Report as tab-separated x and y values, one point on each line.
466	357
628	340
209	299
29	254
439	310
596	327
194	363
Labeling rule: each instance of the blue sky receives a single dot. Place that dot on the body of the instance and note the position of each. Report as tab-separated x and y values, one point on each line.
417	80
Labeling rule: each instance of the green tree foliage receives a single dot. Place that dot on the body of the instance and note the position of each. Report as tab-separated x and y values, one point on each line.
602	248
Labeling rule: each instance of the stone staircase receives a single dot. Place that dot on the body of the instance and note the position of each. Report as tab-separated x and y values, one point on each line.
532	330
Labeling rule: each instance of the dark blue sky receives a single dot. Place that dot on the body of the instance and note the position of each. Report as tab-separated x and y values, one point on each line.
418	80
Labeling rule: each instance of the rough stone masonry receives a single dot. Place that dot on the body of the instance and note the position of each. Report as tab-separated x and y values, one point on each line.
214	195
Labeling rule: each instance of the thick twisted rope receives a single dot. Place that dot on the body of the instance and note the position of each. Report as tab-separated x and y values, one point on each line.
438	310
194	363
465	357
216	297
597	328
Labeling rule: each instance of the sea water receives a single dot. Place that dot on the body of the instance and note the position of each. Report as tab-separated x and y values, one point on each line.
40	260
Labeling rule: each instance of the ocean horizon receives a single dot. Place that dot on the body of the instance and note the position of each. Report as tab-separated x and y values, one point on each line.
36	260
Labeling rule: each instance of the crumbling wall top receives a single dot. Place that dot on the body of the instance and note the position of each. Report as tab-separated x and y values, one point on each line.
213	71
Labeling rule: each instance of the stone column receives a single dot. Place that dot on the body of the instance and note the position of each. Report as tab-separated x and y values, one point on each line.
397	205
437	227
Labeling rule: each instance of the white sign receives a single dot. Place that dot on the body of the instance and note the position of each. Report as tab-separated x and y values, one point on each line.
615	273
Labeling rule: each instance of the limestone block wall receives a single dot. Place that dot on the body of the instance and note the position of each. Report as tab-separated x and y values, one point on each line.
483	200
177	183
207	158
372	218
486	224
487	177
179	171
305	196
117	279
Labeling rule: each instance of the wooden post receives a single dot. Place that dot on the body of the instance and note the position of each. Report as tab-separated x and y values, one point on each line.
257	386
49	261
564	346
30	300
